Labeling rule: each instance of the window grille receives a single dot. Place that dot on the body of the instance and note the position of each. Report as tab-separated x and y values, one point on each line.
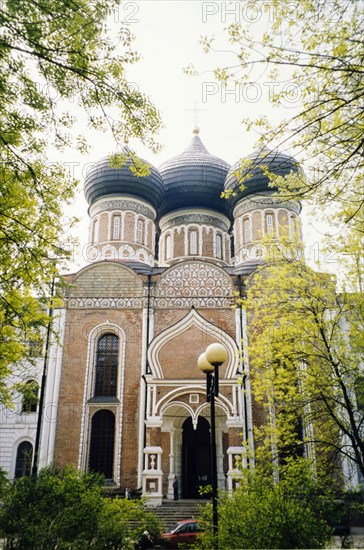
24	457
116	228
101	456
193	243
269	222
106	366
140	232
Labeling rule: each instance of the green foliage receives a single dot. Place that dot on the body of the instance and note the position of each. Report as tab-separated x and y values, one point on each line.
67	509
307	345
307	57
4	483
262	513
56	59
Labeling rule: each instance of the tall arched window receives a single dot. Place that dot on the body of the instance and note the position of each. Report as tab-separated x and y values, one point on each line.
219	246
106	368
30	398
101	456
24	457
168	247
193	243
140	232
116	228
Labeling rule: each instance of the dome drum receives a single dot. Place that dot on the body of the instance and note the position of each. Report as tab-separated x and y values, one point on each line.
183	197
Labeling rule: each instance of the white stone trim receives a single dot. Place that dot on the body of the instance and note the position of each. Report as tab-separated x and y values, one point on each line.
192	319
89	409
170	399
234	473
122	231
142	400
51	398
248	394
152	474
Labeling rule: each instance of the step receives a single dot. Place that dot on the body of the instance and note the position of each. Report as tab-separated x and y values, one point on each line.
173	511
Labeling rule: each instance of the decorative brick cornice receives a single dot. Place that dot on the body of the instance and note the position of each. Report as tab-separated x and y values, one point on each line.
123	204
186	303
259	202
201	219
159	303
106	303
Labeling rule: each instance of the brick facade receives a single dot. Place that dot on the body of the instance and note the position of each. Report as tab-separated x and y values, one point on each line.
161	287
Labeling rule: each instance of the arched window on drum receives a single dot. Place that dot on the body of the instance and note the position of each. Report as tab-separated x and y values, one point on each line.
116	228
219	246
269	224
247	231
193	243
140	232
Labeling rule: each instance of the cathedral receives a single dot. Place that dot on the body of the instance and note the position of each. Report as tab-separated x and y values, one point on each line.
167	257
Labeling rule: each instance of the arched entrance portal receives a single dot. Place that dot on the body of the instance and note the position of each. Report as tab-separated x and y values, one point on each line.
196	457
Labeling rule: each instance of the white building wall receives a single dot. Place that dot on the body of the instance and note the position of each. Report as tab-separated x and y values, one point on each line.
17	426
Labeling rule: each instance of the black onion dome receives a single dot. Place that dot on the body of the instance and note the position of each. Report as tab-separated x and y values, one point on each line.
194	179
253	176
103	180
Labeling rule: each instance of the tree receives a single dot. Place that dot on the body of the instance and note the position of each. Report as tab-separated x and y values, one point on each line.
67	509
306	345
309	57
56	63
261	513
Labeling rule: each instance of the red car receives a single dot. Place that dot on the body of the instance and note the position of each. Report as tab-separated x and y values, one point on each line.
185	532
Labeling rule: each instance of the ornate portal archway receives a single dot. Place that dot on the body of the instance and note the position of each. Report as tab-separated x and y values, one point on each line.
177	418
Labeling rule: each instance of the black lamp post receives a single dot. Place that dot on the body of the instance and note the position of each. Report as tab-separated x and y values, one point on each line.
43	386
209	362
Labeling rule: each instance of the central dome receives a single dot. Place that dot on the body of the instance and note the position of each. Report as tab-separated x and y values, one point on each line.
194	179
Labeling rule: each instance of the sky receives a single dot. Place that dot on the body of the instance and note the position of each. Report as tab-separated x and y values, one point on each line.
167	35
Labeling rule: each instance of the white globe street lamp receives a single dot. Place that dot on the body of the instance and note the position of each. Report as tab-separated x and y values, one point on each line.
209	363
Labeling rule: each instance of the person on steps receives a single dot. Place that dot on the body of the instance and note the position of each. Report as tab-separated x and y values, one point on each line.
175	488
145	542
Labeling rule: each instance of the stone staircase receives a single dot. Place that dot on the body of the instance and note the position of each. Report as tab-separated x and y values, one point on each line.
173	511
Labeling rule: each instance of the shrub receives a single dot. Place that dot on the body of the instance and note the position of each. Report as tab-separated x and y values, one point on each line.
66	509
262	513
